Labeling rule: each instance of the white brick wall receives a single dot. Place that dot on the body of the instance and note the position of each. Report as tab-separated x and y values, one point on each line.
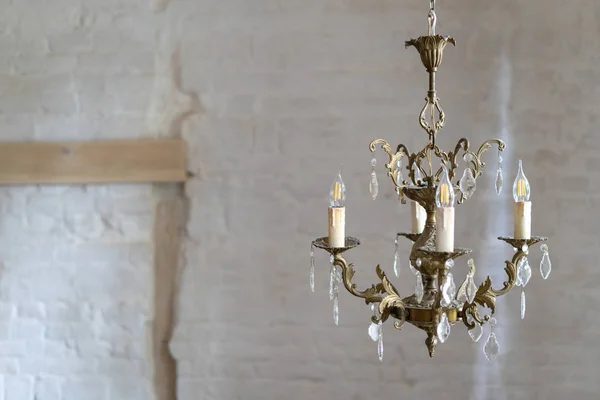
285	91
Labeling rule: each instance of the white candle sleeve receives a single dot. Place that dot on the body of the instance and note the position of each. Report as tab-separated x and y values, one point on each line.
444	223
419	216
337	226
522	220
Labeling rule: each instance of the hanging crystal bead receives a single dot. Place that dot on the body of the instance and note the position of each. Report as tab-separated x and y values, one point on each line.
414	271
443	329
331	259
419	289
476	332
471	289
499	179
525	248
418	262
373	184
399	177
374	328
374	331
523	304
449	263
396	259
448	290
336	309
523	272
380	341
312	269
491	349
333	289
545	264
467	183
418	174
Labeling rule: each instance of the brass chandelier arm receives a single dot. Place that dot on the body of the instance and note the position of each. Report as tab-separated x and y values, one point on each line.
384	293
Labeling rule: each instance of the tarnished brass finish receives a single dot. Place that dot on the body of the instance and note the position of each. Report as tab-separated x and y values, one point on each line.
426	314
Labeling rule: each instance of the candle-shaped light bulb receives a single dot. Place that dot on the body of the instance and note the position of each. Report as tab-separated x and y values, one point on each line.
444	195
521	189
337	193
444	213
337	212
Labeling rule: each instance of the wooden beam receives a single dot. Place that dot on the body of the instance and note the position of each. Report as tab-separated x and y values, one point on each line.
119	161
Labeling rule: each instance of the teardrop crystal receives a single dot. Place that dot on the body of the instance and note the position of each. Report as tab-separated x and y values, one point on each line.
374	331
419	289
476	333
396	259
399	177
545	265
332	283
443	329
448	290
523	305
524	271
336	310
374	186
467	183
499	180
380	341
491	348
418	174
461	297
471	289
312	276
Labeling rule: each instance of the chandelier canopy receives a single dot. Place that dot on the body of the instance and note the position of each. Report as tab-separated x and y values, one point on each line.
436	305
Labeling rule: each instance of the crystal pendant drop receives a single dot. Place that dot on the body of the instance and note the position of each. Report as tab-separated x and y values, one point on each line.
491	348
332	283
448	290
331	259
471	289
545	264
476	333
312	269
336	310
419	289
443	329
399	177
461	297
373	184
499	179
396	259
523	304
418	174
374	331
467	183
524	272
414	271
380	341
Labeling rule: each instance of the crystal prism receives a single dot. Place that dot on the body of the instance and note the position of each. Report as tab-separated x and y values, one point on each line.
448	290
443	329
336	310
499	180
396	259
374	331
471	289
545	265
332	283
523	271
467	183
312	276
399	177
491	348
418	174
419	289
380	341
331	259
476	332
523	305
374	186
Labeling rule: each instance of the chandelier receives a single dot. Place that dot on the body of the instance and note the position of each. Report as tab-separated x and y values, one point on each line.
437	306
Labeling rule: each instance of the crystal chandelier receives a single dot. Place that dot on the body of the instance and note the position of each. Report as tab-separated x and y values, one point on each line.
436	305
